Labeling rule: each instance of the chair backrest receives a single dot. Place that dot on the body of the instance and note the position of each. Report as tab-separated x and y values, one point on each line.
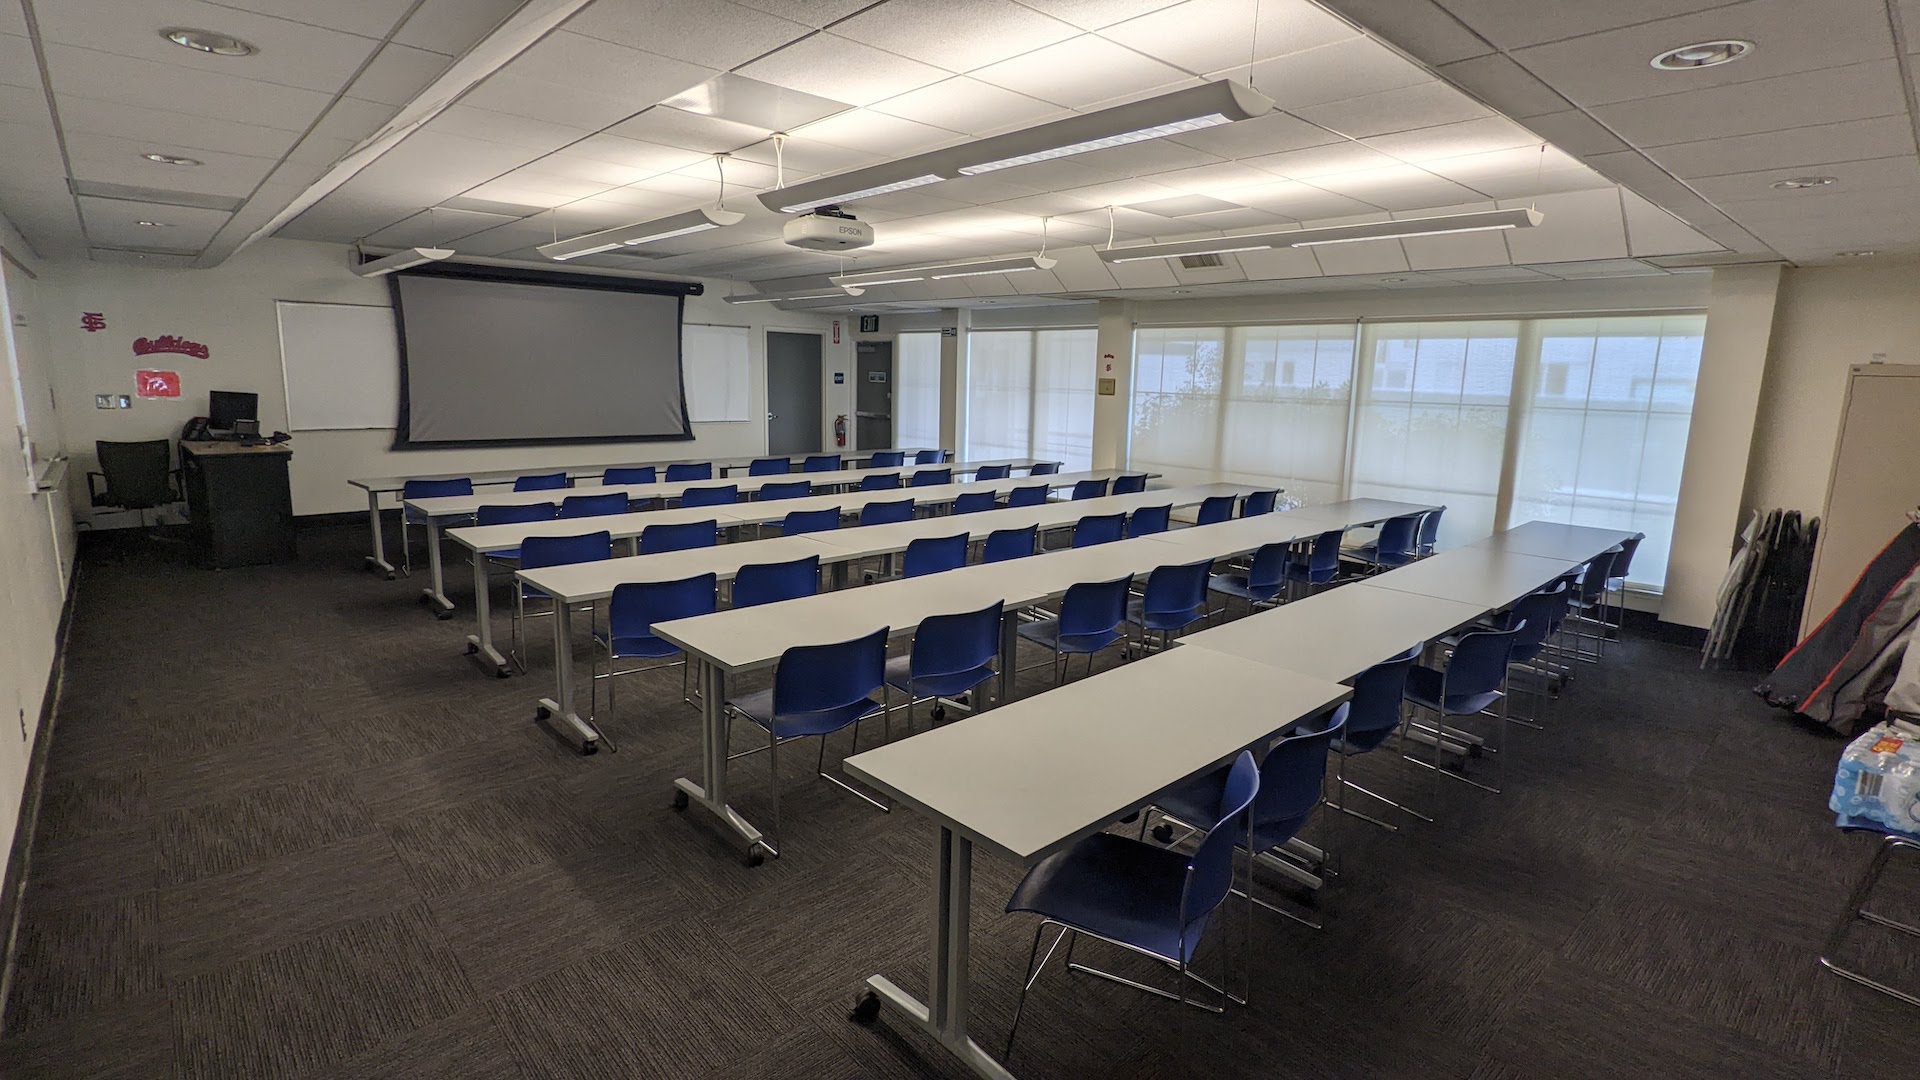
819	678
769	466
137	473
1479	663
887	459
595	505
1539	613
1624	558
413	489
1089	489
1292	777
538	551
541	482
1398	535
1215	508
786	489
931	477
1175	594
807	521
721	495
1429	531
821	463
1210	872
880	482
950	644
934	554
690	470
1029	495
655	539
972	502
636	474
1323	562
886	513
637	605
1129	484
1269	568
1258	502
1377	693
768	583
929	457
1149	520
1094	607
1593	580
1004	544
514	513
1044	468
993	472
1099	529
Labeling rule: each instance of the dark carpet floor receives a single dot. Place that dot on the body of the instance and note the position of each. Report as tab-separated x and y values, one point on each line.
289	831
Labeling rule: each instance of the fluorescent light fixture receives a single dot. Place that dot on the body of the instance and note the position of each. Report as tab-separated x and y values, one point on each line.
794	294
900	275
1197	107
401	260
645	232
1478	221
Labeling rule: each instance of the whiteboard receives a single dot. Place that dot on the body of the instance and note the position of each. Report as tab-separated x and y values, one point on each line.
716	371
342	365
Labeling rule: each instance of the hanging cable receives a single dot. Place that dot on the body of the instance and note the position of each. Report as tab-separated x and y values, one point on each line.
1043	236
1253	44
1109	228
720	164
779	159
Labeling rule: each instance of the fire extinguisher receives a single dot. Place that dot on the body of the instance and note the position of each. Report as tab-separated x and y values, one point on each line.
840	431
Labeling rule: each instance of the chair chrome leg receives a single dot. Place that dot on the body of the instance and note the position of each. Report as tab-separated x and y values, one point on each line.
773	773
1856	909
1026	983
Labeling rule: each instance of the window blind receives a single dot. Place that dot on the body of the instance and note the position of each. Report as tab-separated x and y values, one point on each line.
916	397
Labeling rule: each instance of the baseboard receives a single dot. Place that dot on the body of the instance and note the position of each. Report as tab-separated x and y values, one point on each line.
13	885
1647	624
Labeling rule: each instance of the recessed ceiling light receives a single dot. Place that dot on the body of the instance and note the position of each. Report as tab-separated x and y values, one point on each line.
1391	280
169	159
1702	54
154	224
1854	254
207	41
1797	183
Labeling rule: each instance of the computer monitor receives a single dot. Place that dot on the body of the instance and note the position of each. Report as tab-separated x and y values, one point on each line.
226	406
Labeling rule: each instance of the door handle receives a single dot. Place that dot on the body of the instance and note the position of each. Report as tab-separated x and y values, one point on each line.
770	416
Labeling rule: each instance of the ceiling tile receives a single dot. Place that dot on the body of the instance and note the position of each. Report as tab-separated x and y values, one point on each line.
807	158
1442	141
107	77
1408	108
714	33
1094	14
1333	72
1786	101
476	123
958	35
398	74
1278	264
1217	35
1458	250
1856	179
1321	161
1079	72
864	129
115	223
368	18
87	116
452	27
1514	23
1423	30
1653	231
1575	132
508	93
1378	257
636	76
1296	200
1579	225
1270	134
835	67
1792	149
436	228
1397	187
291	53
970	106
813	13
688	131
18	67
1208	179
754	103
1505	85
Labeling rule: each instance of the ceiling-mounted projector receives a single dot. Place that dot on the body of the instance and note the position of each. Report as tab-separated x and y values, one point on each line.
828	229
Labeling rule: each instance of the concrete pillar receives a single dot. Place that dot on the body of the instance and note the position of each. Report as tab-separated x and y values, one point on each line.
1112	413
954	326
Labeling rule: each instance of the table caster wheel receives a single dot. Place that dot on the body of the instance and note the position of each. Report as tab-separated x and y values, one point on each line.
541	712
755	856
590	748
472	648
867	1009
501	672
390	575
443	616
1163	833
680	800
939	714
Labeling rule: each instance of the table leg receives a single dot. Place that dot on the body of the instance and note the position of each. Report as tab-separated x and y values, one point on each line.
560	705
711	791
377	560
944	1015
436	594
481	644
1009	654
837	578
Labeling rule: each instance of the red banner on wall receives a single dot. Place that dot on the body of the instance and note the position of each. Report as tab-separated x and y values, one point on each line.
152	384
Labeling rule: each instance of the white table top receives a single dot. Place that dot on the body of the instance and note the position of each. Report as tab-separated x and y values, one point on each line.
1486	577
384	484
578	583
1339	633
1035	775
1550	539
1242	536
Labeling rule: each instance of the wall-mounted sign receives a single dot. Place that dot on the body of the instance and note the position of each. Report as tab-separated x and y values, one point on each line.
876	376
869	324
169	343
153	384
1107	387
949	331
839	378
836	331
93	321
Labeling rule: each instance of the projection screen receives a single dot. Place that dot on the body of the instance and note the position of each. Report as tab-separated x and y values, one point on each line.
488	361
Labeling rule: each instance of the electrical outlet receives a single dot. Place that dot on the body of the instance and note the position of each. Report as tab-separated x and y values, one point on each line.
104	401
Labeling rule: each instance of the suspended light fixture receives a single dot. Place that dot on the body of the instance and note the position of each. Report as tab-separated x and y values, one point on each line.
816	293
1478	221
647	232
401	260
942	271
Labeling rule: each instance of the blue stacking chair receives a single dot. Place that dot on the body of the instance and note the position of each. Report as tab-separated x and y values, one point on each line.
1099	529
1091	616
512	514
1394	546
722	495
886	459
635	474
817	690
993	472
933	555
585	506
770	583
1149	900
972	502
769	466
1616	582
1259	502
1264	579
951	655
1175	598
541	482
1089	489
427	489
1321	567
631	613
793	489
821	463
655	539
1473	681
1004	544
1373	716
1029	495
1892	842
1540	613
1130	484
931	477
886	513
1588	600
1044	468
689	470
1291	779
539	551
1149	520
882	482
1215	509
1429	532
929	457
808	521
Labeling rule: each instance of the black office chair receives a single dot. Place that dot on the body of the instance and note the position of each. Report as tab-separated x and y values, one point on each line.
139	476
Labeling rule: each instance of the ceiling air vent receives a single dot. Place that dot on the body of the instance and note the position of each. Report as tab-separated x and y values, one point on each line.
1201	262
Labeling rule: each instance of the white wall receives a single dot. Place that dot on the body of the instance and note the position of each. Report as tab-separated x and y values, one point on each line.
230	309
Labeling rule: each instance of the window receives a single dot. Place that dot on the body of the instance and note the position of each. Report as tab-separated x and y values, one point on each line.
1030	394
916	395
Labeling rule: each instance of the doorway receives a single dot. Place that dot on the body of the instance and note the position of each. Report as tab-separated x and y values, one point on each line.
873	396
793	393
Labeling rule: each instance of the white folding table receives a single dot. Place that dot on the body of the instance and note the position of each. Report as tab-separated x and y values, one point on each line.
1550	539
1488	577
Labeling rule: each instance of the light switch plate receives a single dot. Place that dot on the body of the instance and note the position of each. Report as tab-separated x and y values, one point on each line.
123	401
104	401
